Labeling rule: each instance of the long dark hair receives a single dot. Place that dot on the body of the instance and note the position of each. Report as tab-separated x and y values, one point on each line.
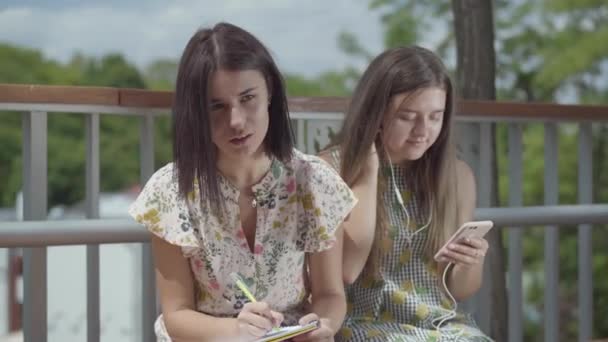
225	47
432	177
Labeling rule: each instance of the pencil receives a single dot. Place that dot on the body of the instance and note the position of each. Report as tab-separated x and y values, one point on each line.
242	286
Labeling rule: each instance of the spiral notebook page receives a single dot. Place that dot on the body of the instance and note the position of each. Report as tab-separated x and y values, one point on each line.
284	333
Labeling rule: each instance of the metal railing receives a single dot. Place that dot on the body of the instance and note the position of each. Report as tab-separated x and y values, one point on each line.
32	234
35	234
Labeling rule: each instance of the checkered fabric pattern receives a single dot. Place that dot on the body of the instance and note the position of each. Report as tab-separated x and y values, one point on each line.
401	305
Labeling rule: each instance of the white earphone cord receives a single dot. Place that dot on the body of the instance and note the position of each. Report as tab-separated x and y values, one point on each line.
438	321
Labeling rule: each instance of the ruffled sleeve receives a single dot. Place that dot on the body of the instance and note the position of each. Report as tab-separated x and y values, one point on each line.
163	212
325	200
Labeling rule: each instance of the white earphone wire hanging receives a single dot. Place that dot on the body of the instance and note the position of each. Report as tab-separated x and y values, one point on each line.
402	204
438	321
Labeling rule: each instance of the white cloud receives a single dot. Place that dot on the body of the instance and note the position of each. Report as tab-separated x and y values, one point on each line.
302	35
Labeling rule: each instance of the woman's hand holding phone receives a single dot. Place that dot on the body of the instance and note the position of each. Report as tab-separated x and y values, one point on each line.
467	246
465	251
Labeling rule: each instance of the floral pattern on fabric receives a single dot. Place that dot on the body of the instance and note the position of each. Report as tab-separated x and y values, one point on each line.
300	205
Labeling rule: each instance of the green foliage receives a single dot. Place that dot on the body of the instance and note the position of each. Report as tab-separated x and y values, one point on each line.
119	136
551	46
407	22
330	83
569	6
402	28
544	49
564	60
111	71
10	142
161	74
66	158
27	66
348	43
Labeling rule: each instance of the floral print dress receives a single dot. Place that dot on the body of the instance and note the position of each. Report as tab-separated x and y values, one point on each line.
402	304
300	204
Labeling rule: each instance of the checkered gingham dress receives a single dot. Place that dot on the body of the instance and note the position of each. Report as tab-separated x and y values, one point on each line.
402	304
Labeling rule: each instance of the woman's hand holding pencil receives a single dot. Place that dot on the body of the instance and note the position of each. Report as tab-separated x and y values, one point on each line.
256	318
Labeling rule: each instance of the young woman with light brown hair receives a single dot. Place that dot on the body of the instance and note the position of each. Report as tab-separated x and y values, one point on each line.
396	151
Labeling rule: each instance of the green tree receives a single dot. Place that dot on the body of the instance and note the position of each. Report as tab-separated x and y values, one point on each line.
330	83
22	66
161	74
110	71
119	136
547	50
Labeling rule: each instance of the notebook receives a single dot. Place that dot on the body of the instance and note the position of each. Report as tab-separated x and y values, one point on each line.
285	333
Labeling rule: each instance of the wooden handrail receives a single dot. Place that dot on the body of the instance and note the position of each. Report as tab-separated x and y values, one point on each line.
19	93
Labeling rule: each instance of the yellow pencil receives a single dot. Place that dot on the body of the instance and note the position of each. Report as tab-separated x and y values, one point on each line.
242	286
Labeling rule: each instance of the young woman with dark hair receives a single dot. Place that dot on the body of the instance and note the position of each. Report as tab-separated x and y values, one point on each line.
239	198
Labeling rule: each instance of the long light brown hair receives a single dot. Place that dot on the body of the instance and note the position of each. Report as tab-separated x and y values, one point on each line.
432	178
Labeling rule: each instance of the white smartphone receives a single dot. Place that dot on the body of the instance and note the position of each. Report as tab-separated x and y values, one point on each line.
473	229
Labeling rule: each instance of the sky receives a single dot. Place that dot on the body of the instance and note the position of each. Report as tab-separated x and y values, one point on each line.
302	35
